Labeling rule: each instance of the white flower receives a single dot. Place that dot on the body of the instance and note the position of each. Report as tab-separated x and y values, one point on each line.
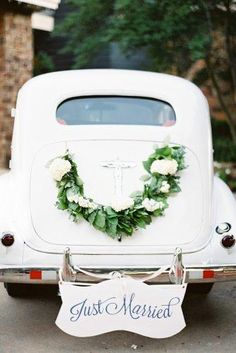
121	203
152	205
165	187
164	166
82	201
92	205
73	198
59	167
85	203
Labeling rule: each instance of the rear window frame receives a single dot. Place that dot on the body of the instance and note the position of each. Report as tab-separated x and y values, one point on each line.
116	96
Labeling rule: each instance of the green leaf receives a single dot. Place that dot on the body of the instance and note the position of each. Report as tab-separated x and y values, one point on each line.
157	212
110	212
153	183
92	216
136	194
61	205
111	226
79	181
100	220
124	225
165	151
145	177
141	223
68	184
175	188
73	206
174	185
147	164
61	190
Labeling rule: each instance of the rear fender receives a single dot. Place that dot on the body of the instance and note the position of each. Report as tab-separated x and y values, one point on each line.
12	255
224	211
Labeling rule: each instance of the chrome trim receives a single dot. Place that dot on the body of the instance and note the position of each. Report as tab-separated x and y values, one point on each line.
177	269
69	273
221	231
22	274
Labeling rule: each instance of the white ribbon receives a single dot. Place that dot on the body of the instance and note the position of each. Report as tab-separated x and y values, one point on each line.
117	274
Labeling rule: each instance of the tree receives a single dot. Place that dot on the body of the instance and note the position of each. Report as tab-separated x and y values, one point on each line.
175	35
43	63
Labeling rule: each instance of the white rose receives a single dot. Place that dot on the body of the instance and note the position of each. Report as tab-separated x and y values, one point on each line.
93	205
164	166
59	167
122	203
152	205
85	203
73	198
82	201
165	187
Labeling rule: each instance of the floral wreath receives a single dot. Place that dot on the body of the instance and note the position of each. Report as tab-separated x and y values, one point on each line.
124	215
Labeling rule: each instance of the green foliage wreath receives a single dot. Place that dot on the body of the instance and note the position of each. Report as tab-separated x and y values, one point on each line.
161	181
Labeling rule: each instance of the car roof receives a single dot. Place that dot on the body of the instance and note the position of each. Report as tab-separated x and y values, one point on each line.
113	78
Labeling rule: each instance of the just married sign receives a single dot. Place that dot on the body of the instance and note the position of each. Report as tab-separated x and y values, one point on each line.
121	304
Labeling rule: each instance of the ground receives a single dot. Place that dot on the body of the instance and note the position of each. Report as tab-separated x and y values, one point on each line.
27	326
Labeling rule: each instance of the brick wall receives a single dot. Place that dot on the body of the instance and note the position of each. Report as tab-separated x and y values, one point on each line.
16	60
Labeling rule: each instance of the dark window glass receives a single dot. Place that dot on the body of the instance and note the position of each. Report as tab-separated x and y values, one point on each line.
107	110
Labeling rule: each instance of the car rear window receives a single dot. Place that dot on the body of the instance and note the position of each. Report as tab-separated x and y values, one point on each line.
114	110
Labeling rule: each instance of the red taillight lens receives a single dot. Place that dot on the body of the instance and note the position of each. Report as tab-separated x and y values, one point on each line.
228	241
7	239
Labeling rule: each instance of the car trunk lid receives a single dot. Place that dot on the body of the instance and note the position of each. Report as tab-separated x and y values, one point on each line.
183	224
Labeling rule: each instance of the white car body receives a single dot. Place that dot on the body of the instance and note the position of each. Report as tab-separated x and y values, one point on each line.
28	193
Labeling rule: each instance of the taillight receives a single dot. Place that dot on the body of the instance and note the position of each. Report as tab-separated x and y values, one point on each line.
228	241
7	239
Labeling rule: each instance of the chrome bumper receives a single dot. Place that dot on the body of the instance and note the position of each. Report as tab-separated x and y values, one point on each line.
51	276
173	274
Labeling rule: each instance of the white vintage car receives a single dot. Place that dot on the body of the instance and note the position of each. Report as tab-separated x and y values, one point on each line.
106	123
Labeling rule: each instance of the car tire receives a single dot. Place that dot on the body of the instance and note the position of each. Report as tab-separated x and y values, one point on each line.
19	290
200	288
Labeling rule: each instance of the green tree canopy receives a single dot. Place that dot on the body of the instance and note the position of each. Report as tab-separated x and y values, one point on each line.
174	34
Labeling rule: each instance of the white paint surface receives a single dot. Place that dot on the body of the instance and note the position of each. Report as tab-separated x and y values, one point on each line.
51	4
42	22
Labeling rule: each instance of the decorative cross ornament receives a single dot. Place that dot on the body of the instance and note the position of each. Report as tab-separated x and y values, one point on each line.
118	165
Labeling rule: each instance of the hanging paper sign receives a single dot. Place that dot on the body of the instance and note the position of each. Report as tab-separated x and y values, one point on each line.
121	304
